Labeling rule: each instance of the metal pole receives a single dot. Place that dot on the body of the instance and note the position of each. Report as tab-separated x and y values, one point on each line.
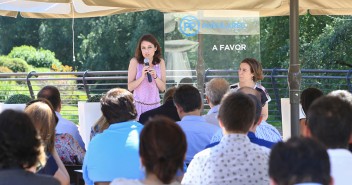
29	84
294	74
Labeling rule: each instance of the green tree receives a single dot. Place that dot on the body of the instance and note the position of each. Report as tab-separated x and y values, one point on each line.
112	40
56	35
18	31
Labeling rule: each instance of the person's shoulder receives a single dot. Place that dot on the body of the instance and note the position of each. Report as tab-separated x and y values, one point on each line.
203	155
234	86
66	122
162	61
122	181
134	61
45	179
262	151
259	86
26	177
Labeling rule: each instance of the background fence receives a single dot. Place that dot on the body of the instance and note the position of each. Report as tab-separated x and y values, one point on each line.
79	86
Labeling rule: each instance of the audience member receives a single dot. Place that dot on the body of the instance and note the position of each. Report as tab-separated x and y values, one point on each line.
299	161
215	89
329	121
347	96
162	150
52	94
44	119
307	97
99	126
256	97
198	132
114	153
257	120
185	81
235	160
20	151
168	108
69	150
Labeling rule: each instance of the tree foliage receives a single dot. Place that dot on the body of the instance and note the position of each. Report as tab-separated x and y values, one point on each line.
108	43
37	58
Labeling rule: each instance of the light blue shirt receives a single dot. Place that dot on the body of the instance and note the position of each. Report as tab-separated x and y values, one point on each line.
268	132
198	134
66	126
212	115
114	154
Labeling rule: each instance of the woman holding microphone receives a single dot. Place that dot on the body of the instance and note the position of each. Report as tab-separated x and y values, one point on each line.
146	74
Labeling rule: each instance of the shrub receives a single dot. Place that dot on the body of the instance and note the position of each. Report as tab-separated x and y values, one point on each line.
14	64
37	58
27	53
18	99
95	98
4	69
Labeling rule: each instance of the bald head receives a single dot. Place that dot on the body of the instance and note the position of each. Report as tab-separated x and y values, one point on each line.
249	90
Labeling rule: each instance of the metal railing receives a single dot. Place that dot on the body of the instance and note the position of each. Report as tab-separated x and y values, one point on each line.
79	86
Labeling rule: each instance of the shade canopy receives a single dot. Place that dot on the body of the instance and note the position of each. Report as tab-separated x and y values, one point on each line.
51	9
314	7
187	5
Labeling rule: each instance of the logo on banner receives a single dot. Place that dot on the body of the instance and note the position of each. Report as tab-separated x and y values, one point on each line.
189	26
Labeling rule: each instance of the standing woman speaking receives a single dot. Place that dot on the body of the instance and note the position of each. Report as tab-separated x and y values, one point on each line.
146	74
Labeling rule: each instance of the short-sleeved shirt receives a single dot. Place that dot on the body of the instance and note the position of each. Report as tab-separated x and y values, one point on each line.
114	154
265	98
235	160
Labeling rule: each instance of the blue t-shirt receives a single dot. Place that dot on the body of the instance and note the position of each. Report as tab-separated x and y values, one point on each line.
114	154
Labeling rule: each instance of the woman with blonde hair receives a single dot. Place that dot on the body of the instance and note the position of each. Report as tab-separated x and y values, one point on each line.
44	119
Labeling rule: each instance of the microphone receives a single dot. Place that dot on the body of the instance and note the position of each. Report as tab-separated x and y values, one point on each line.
146	63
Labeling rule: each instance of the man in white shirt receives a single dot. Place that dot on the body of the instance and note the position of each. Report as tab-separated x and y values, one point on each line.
52	94
329	121
215	89
235	160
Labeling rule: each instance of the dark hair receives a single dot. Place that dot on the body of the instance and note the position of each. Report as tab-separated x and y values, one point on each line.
20	145
299	160
237	112
256	68
169	94
138	53
162	148
215	89
308	96
117	106
258	108
52	94
188	97
329	121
